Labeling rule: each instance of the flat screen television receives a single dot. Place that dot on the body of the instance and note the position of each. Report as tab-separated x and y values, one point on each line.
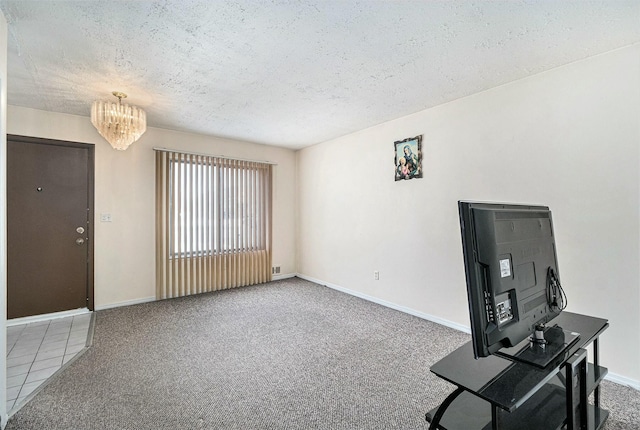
513	282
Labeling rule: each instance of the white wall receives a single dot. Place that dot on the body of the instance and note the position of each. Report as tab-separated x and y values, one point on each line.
568	138
3	220
125	188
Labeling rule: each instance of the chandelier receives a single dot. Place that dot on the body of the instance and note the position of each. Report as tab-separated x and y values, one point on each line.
120	124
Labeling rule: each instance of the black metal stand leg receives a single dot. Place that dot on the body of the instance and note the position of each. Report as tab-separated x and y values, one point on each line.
596	367
495	418
584	401
435	422
576	390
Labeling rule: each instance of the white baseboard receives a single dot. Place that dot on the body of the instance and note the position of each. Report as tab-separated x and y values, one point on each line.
283	276
618	379
46	317
391	305
153	299
622	380
126	303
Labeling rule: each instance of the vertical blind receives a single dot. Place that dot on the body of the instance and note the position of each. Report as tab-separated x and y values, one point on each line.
213	223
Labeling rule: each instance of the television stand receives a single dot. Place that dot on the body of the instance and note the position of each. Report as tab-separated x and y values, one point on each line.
557	342
498	393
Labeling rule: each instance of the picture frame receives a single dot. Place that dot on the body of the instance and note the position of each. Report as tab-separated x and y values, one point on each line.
408	158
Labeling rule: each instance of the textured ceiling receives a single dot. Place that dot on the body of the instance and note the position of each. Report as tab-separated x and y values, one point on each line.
293	73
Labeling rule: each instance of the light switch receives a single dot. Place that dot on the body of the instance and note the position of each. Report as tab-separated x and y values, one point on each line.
105	217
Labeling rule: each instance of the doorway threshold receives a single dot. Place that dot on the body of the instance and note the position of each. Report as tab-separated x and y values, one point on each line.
47	317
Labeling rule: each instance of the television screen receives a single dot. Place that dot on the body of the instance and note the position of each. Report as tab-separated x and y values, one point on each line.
513	283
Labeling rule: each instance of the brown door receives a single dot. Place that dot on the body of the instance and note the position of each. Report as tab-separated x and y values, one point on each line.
49	226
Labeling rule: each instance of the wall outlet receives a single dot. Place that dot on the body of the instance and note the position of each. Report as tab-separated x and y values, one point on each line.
275	270
376	275
105	217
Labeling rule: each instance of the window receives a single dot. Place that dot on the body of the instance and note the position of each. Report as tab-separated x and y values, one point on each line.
215	208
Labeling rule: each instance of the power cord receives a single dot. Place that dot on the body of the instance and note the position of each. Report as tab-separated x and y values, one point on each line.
556	298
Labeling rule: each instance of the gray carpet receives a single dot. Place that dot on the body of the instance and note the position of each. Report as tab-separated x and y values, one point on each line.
284	355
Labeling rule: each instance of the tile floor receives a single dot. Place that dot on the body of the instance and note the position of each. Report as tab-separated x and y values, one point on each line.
37	350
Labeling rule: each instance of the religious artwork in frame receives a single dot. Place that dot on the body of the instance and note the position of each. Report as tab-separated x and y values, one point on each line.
408	158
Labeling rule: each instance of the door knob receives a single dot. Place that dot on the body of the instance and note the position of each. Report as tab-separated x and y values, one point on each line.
79	241
80	230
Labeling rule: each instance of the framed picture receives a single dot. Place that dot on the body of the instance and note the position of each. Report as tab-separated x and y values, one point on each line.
408	158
